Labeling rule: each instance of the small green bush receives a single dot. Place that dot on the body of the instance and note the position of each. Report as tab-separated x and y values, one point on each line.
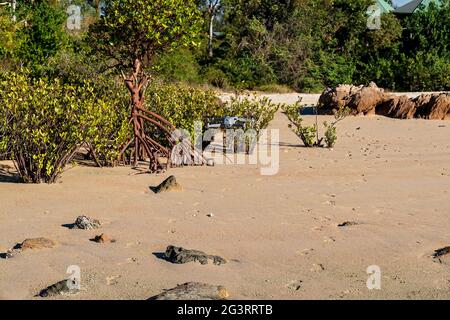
216	77
45	122
182	105
308	134
275	88
330	134
330	128
260	110
178	66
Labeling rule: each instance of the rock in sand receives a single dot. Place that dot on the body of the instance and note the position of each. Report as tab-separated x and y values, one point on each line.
181	255
194	291
62	287
170	184
86	223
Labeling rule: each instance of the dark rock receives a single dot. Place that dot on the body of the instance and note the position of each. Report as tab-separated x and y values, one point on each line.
61	287
194	291
102	239
7	255
170	184
180	255
439	253
348	224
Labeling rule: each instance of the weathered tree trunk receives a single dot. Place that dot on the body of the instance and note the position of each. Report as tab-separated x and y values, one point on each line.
145	146
211	36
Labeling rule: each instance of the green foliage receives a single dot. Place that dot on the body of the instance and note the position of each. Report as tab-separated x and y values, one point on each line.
43	36
425	59
108	127
429	29
182	105
216	77
139	29
178	66
302	44
427	70
46	121
330	134
111	118
246	72
7	31
308	134
260	110
275	88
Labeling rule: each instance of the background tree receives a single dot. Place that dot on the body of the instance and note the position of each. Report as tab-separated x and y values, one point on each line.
212	8
8	45
42	36
130	34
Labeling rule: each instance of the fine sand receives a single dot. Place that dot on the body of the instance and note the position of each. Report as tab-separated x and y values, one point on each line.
280	233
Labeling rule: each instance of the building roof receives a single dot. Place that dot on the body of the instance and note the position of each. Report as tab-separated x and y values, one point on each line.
414	5
384	6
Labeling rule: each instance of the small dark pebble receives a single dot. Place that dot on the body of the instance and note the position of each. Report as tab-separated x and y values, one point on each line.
348	224
441	252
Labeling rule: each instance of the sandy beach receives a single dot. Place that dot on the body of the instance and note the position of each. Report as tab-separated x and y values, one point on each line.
279	233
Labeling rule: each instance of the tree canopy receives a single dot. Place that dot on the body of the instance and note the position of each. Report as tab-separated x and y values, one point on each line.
305	45
139	29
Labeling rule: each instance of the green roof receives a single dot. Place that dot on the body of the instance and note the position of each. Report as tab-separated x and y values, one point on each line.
384	6
414	6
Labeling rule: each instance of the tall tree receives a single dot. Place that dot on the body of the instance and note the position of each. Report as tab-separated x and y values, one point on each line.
42	36
130	34
212	8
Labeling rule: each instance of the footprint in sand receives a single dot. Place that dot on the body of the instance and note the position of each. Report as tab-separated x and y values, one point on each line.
132	244
317	267
295	285
112	280
305	252
329	239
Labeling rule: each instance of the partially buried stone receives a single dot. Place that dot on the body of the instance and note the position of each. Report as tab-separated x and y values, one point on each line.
61	287
348	224
194	291
181	255
28	244
87	223
102	239
36	243
170	184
